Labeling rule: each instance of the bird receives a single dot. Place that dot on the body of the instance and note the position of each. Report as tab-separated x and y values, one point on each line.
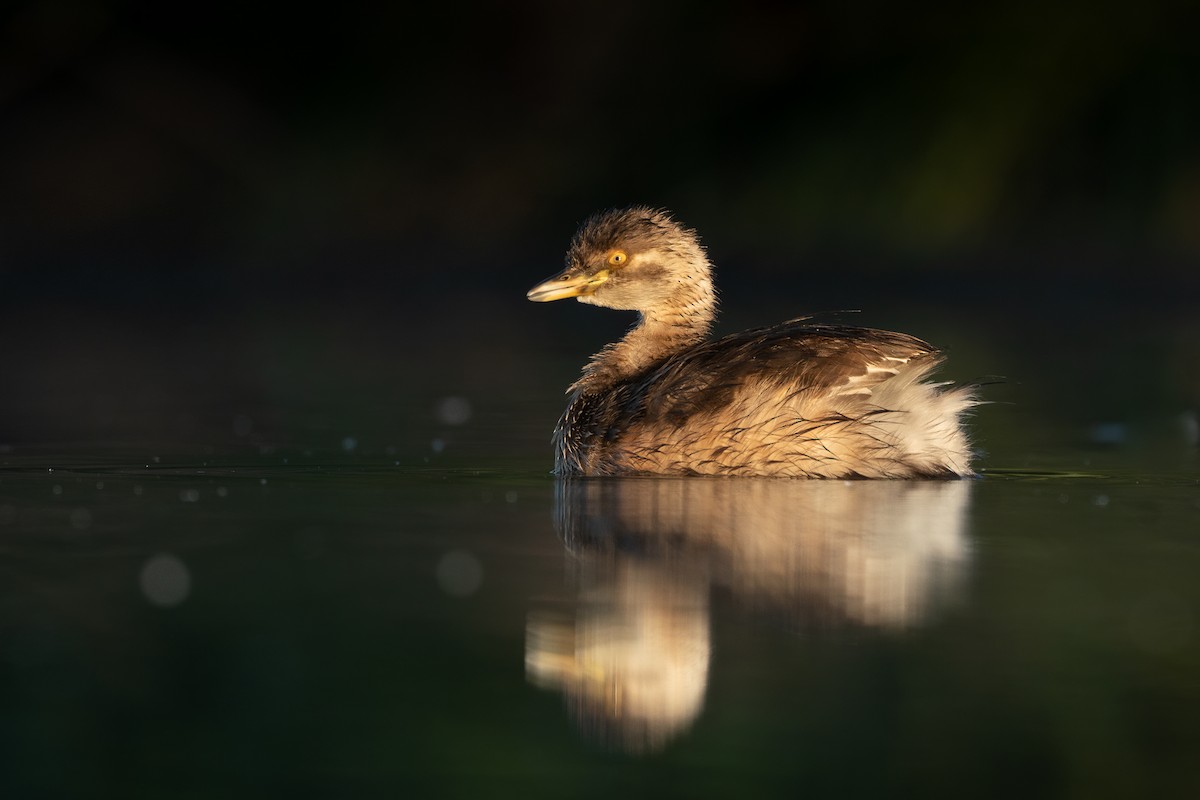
799	399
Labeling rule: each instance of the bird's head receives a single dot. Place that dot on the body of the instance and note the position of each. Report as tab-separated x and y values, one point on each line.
635	258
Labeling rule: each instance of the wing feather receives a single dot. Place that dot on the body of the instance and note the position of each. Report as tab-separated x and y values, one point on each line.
803	356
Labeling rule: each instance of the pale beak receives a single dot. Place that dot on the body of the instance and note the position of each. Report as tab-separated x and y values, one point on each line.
565	285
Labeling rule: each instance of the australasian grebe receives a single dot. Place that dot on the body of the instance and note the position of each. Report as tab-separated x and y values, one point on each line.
798	399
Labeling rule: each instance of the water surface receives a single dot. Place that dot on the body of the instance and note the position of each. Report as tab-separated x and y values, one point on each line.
302	557
347	625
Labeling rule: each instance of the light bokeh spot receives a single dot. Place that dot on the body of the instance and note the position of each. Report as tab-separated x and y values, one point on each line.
459	573
453	410
165	580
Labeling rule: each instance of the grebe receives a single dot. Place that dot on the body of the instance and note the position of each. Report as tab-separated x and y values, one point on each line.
798	399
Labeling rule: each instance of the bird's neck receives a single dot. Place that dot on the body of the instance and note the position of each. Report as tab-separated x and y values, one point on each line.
660	333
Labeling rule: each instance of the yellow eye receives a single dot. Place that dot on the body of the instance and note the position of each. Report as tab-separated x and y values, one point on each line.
617	258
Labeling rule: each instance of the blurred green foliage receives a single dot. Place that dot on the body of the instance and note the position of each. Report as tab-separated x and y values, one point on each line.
230	142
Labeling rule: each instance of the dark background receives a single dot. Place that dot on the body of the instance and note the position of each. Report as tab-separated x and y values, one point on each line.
212	212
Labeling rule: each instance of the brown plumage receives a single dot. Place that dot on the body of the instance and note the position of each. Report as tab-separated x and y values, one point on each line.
798	399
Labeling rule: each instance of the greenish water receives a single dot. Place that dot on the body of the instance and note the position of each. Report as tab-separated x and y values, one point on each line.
342	625
324	557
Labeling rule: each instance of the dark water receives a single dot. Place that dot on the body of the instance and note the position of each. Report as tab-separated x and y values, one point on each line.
380	591
176	630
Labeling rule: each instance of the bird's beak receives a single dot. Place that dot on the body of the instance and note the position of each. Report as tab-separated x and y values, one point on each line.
566	284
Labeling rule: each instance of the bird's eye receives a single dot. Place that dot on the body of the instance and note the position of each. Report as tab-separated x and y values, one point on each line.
617	258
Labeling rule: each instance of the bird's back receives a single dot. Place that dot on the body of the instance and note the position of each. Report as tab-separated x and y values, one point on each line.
796	399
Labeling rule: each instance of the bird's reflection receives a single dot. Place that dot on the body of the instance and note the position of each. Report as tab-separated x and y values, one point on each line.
633	661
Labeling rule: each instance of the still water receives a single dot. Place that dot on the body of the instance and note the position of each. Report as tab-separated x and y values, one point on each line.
349	573
346	625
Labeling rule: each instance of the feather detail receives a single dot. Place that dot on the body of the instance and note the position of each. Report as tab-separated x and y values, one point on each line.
798	399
